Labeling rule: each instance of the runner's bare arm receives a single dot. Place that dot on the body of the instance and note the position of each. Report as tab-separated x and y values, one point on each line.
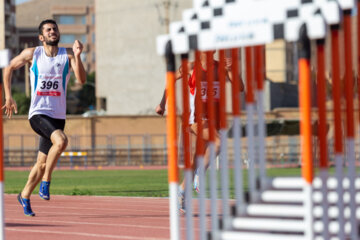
75	61
228	63
17	62
160	109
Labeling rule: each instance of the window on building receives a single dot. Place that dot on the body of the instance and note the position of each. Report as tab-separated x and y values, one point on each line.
66	19
13	19
67	38
83	57
83	38
93	37
83	20
291	63
93	19
101	103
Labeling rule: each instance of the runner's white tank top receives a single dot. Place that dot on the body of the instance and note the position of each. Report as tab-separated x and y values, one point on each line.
49	77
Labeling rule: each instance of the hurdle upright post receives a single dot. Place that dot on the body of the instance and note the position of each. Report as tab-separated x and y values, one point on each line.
4	61
223	143
211	144
2	217
306	128
200	148
260	77
172	143
322	131
250	105
188	173
350	131
338	145
358	62
238	166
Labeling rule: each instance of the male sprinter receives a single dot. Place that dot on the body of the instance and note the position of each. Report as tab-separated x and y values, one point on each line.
160	109
50	73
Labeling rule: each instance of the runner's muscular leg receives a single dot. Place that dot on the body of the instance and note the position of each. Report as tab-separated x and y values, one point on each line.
35	175
59	141
192	156
205	136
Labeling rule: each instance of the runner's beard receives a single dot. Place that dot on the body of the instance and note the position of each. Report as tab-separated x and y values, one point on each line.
52	43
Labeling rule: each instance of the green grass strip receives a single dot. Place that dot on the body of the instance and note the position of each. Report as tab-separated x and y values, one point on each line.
140	183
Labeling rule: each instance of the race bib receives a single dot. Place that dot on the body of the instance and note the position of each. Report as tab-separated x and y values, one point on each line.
216	90
49	85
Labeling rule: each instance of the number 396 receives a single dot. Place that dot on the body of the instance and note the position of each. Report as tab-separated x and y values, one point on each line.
49	85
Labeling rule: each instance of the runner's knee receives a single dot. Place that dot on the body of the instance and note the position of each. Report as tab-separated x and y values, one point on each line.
41	164
61	143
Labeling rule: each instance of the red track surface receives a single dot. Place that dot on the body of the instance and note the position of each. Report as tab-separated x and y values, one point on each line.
89	218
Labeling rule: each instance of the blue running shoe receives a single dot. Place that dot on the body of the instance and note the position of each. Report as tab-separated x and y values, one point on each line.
196	183
44	191
181	201
25	203
41	183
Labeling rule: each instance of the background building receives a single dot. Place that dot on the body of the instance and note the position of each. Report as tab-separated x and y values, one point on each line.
8	37
130	75
7	25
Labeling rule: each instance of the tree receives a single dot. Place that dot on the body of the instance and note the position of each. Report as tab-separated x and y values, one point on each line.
87	93
81	98
23	102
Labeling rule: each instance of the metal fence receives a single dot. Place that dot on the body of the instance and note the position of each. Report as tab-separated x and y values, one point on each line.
141	149
101	150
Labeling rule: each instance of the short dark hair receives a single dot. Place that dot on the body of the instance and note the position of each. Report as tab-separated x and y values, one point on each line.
51	21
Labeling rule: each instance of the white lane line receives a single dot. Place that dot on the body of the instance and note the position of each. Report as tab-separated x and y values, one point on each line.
137	225
99	209
100	236
99	200
126	216
60	214
17	220
102	198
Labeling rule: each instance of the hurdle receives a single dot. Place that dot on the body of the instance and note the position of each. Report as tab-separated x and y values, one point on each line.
186	146
5	56
172	143
315	206
74	154
200	147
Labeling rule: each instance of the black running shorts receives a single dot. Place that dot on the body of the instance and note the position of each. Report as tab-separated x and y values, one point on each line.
45	126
